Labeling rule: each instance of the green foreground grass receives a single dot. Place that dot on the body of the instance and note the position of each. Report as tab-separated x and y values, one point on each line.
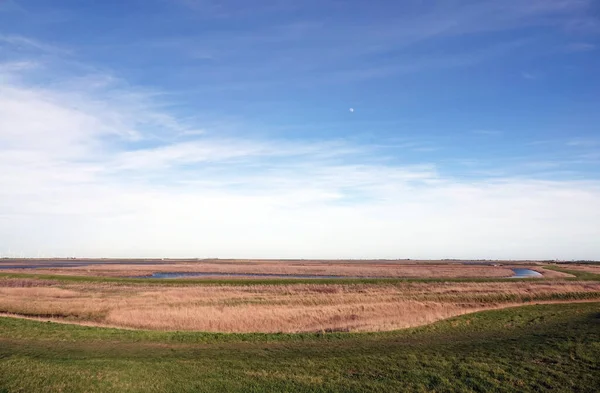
532	348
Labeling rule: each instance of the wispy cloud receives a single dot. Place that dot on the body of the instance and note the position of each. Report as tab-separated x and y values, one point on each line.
88	164
580	47
584	142
312	48
488	132
11	69
531	75
234	9
584	24
117	169
20	42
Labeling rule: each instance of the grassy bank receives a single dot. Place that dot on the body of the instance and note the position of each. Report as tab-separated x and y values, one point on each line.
532	348
579	274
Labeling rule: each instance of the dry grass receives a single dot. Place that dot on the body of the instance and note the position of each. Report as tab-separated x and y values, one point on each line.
288	268
25	283
363	317
266	308
584	268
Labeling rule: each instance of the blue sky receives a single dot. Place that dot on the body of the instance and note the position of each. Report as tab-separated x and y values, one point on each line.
199	128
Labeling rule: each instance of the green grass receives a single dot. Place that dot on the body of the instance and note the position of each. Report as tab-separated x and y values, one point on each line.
533	348
579	275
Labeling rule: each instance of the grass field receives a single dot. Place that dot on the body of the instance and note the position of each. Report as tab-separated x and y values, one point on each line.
259	307
534	348
362	269
463	332
324	269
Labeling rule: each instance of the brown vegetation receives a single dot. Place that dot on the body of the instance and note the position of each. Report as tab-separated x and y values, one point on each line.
273	308
288	268
584	268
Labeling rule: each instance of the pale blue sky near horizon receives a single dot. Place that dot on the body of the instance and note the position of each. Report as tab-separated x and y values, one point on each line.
279	128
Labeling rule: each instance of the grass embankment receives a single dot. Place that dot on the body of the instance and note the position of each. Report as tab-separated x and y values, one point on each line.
579	274
534	348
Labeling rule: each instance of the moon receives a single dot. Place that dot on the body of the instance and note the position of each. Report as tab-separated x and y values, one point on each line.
351	110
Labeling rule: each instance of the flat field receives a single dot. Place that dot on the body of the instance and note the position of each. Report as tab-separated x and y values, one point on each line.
364	269
465	328
541	348
273	308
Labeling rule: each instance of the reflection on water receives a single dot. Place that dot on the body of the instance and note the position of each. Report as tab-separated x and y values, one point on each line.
519	272
254	275
525	273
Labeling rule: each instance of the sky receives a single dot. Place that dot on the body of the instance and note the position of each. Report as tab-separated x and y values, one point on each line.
300	129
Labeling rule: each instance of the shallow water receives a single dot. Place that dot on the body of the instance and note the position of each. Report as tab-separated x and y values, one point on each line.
519	272
525	273
253	275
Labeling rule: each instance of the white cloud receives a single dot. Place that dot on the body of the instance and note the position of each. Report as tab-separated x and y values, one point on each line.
103	172
34	120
